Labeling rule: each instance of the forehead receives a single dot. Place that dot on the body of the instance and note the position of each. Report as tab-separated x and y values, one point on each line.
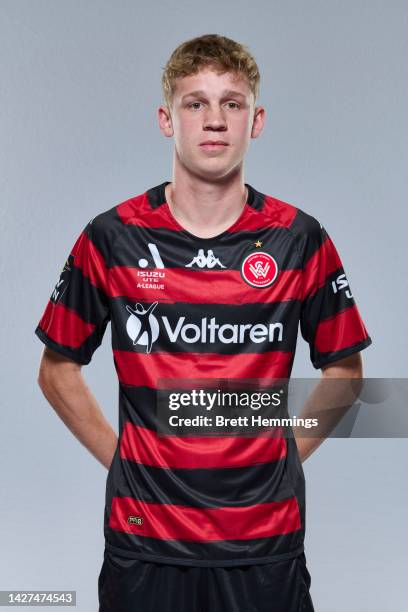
211	82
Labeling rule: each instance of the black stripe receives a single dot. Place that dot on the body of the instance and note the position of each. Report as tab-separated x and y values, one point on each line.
323	304
322	359
88	301
177	250
222	552
156	195
172	337
309	234
103	230
82	355
205	487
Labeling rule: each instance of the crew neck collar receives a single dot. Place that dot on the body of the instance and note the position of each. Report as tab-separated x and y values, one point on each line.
157	198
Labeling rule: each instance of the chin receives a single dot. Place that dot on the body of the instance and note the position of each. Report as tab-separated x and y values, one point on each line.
212	174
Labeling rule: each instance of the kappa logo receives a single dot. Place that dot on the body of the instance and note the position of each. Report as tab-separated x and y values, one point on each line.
205	261
259	269
143	328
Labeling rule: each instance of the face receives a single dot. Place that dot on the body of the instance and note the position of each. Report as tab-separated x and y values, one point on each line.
212	119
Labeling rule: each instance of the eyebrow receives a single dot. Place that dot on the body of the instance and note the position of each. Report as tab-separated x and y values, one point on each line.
226	94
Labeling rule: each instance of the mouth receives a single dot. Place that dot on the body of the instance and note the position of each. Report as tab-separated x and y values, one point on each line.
213	145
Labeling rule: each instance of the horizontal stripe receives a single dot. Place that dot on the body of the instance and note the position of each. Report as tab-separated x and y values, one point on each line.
143	406
90	261
200	286
325	302
226	329
146	446
137	211
283	213
142	369
216	553
64	326
340	331
322	359
177	249
165	521
203	487
321	264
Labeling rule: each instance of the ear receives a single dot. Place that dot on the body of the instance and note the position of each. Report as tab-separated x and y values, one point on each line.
258	121
165	122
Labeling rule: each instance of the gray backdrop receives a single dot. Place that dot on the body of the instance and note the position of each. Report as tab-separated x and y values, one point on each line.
80	84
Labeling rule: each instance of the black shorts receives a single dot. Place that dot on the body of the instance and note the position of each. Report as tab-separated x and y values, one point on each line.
131	585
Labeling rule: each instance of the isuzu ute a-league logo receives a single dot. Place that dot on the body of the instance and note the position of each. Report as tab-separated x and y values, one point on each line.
259	269
340	283
143	328
151	279
205	261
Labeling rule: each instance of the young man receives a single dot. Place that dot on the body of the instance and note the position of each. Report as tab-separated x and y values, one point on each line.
203	277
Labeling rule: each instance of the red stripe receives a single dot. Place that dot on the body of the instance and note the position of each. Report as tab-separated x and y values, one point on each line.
147	447
340	331
141	369
90	261
319	266
64	326
281	212
176	522
137	211
199	287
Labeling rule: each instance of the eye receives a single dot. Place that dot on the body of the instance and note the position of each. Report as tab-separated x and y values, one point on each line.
235	104
193	105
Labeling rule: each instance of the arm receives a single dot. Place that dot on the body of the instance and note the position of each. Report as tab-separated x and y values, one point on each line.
328	397
63	385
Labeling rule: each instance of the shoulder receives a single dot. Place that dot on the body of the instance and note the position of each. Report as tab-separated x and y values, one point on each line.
286	214
106	226
307	231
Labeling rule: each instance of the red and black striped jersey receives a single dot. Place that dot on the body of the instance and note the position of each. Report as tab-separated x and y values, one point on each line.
184	307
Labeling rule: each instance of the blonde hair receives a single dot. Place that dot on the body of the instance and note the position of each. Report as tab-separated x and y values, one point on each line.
220	52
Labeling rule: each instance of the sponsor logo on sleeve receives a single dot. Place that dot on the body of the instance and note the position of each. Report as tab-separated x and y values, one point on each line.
63	281
340	283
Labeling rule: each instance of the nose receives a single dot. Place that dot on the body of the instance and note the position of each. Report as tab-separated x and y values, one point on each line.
214	119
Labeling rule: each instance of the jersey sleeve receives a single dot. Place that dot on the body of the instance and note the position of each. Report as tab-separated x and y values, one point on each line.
330	320
77	313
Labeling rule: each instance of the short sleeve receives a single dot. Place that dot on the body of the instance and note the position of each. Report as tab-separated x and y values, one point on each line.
330	320
75	318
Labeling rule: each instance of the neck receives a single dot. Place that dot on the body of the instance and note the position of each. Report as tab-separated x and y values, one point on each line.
206	208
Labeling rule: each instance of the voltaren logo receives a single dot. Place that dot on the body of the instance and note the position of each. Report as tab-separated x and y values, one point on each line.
143	328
